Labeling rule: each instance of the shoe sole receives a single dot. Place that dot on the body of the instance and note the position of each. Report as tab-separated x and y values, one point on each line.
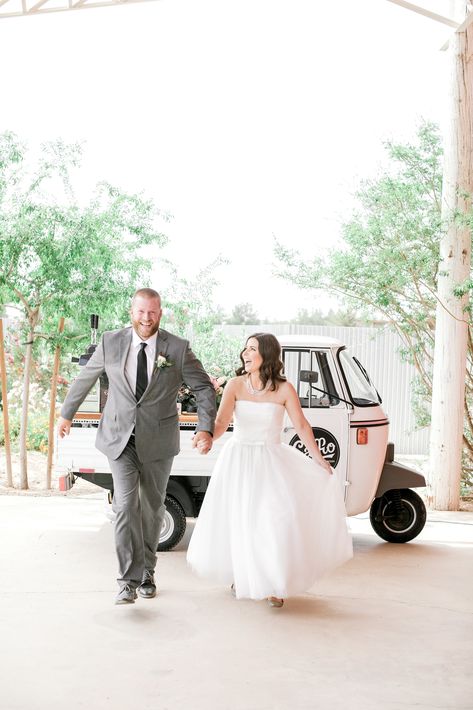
147	596
120	602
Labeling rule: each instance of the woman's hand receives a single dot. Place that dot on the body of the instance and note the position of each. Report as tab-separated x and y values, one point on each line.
325	465
302	426
202	441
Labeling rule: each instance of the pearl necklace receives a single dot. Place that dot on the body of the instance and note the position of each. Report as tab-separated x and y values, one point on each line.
252	390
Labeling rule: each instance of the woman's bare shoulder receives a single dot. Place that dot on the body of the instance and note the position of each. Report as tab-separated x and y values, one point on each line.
234	383
286	388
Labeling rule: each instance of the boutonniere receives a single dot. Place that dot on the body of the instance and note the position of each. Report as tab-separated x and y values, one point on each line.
162	361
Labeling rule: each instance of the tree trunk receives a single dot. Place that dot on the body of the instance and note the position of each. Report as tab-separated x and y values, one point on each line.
6	424
52	408
24	411
451	319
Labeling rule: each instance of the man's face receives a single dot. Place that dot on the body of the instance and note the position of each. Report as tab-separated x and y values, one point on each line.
145	316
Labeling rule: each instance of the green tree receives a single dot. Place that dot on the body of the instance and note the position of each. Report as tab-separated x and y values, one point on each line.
60	259
389	263
346	317
190	310
243	314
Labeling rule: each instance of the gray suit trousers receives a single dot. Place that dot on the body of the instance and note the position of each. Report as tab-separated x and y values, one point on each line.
139	491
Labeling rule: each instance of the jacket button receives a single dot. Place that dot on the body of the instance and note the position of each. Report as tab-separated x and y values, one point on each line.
138	406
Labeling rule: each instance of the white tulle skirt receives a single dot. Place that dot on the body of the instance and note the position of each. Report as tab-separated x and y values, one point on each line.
272	522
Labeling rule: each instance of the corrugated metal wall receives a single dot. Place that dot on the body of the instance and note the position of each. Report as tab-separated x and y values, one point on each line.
378	350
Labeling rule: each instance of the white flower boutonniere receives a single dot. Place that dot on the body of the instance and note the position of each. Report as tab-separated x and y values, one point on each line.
162	361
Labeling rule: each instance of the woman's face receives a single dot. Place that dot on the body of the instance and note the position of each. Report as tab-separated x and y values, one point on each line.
251	356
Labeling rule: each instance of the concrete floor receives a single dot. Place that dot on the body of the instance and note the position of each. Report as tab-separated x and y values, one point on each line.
392	629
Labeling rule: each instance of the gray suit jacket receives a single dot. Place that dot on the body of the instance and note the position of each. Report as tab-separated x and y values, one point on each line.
154	417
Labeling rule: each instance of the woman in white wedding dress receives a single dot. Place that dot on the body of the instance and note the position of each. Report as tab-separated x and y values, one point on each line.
273	520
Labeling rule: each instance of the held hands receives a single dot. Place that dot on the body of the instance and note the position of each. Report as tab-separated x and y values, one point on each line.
202	441
63	426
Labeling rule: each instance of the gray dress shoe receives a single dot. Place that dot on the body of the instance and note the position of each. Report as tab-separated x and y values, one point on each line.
126	595
147	588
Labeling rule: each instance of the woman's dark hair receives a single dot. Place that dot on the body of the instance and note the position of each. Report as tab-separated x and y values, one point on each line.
272	366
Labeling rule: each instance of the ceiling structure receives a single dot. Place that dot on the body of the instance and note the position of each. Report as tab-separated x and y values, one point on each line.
460	24
14	8
421	10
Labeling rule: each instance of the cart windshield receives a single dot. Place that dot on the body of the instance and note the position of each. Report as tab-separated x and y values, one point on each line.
322	391
362	391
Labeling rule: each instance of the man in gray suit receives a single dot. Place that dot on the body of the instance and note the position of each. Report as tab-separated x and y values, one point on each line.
139	429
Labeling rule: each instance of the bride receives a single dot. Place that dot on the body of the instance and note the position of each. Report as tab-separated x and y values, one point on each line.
273	520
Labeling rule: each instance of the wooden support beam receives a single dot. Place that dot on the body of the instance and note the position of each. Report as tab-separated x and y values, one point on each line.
461	28
451	329
466	22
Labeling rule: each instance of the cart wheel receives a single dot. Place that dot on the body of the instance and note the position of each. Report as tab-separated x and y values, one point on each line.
398	516
174	525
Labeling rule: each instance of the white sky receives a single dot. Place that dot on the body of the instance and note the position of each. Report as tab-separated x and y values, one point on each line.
243	119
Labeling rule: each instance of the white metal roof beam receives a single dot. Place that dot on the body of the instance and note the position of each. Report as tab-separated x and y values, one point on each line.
427	13
36	7
12	8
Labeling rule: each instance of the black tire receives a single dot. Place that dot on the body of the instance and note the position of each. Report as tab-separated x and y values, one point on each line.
398	516
174	525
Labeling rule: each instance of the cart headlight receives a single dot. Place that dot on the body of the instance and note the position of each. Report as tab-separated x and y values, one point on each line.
362	436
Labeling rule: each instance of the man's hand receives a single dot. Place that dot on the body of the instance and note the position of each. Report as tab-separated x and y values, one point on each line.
63	426
202	441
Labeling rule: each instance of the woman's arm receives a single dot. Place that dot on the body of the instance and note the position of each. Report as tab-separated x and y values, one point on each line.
303	427
225	410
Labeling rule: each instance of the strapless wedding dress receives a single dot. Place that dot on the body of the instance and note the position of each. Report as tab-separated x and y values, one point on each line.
272	521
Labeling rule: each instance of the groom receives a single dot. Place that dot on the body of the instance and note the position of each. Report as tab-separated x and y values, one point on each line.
139	429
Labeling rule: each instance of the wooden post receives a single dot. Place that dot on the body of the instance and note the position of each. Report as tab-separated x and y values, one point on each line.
52	408
6	425
24	410
451	329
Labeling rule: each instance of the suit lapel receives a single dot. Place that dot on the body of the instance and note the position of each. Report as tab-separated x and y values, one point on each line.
161	349
125	344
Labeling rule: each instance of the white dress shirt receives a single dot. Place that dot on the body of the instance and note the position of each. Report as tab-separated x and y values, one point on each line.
130	365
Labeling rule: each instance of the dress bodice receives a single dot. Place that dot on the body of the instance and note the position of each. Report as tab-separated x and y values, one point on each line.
258	422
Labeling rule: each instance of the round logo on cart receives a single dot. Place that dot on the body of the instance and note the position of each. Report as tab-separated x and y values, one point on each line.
326	442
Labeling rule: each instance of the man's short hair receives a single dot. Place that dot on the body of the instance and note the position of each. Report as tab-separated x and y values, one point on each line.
146	293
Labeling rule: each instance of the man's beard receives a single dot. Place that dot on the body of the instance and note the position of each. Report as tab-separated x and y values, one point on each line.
145	332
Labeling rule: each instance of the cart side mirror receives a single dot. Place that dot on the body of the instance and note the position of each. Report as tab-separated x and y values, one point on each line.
308	376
